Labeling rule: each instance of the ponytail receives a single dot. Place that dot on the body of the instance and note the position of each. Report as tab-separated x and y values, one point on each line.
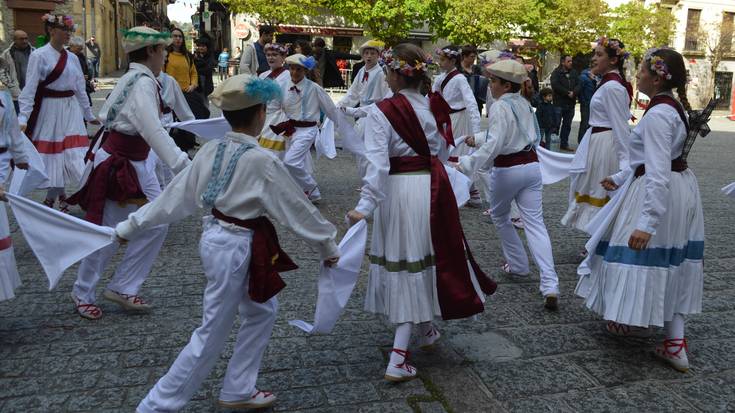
681	91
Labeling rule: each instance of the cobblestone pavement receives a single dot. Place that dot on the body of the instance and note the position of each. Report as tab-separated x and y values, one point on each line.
515	357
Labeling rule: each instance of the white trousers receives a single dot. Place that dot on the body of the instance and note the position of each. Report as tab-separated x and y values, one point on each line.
522	183
141	252
297	156
225	257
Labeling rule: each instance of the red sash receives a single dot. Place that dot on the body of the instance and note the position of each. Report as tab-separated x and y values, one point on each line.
447	78
267	259
42	92
668	100
115	178
288	128
275	73
456	294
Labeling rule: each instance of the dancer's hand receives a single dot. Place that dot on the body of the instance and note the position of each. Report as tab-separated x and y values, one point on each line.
329	262
354	217
22	165
609	184
639	240
2	195
470	141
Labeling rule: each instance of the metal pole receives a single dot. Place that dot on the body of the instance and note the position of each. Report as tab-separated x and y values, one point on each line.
94	18
84	19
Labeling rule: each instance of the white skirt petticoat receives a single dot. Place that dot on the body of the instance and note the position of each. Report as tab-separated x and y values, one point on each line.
648	287
461	126
586	195
61	139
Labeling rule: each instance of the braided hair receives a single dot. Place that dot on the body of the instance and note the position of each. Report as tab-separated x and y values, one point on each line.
677	71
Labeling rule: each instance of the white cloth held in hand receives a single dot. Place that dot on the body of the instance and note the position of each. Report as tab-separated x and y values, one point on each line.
729	190
555	166
59	240
336	283
207	129
25	181
325	140
351	141
460	185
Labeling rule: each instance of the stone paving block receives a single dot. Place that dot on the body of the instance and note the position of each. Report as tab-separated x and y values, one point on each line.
351	393
636	398
316	376
709	394
392	391
95	399
431	407
36	403
620	367
537	405
295	399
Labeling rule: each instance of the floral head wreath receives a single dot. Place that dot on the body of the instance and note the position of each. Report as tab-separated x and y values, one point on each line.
447	52
657	63
404	67
276	47
59	21
614	45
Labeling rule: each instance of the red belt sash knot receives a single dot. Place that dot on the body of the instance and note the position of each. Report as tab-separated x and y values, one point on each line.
513	159
456	293
289	126
42	92
267	258
115	178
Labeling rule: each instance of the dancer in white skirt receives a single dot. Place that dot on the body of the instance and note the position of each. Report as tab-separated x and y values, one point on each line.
11	148
369	87
456	91
510	143
53	108
240	183
276	55
604	148
133	128
645	259
418	269
303	104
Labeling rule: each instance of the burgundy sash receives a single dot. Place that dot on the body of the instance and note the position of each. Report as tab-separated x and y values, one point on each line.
115	178
42	92
275	73
447	78
288	128
615	77
456	294
267	259
668	100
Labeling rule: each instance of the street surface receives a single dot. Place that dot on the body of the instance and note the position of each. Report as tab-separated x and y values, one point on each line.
515	357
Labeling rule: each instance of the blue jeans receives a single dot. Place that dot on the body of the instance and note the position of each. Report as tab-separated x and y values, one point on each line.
566	114
94	68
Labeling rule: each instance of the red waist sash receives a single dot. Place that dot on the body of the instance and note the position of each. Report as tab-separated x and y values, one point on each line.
289	126
43	92
677	165
456	110
513	159
115	178
267	258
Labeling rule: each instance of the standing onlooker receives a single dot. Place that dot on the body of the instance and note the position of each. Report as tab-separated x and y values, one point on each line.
16	57
94	60
223	63
565	84
587	85
548	120
473	73
76	46
327	63
304	47
205	64
253	59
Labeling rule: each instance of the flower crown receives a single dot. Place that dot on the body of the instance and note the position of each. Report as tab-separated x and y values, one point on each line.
614	45
276	47
404	67
447	52
657	63
59	20
504	55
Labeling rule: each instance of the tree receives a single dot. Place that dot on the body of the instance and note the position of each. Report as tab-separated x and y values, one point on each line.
478	22
568	26
717	40
277	11
640	27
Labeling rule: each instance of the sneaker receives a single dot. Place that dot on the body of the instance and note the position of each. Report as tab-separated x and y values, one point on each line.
506	269
674	352
400	372
85	310
624	330
128	302
426	341
259	400
551	302
518	223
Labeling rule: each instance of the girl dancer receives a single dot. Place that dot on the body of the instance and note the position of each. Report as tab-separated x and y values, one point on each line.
275	54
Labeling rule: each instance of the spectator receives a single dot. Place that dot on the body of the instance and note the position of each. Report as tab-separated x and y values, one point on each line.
76	46
223	63
533	74
548	120
565	85
473	73
253	59
94	60
587	86
304	47
327	63
205	64
16	64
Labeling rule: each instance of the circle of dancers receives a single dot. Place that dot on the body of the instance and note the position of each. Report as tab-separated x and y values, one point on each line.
630	189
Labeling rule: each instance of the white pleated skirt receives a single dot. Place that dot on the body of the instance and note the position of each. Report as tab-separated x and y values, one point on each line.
644	288
586	195
61	139
461	126
268	139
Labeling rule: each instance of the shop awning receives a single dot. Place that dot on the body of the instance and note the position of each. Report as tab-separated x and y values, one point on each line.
320	30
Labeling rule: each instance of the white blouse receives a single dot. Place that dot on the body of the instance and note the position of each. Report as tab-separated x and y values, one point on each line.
40	64
308	102
382	142
367	92
260	185
283	80
610	108
10	136
458	95
174	98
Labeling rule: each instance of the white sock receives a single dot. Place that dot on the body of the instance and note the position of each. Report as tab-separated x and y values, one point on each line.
675	327
403	336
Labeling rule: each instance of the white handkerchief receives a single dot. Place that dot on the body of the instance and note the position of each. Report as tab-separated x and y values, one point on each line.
207	129
555	166
460	185
58	239
25	181
336	283
729	190
351	140
325	140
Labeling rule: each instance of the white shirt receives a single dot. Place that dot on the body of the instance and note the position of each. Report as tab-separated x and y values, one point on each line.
458	95
173	98
655	142
610	108
249	60
366	92
260	185
40	64
308	103
10	136
141	115
504	135
382	142
283	81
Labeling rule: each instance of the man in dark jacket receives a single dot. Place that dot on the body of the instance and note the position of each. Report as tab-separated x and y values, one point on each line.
565	84
587	85
205	63
331	76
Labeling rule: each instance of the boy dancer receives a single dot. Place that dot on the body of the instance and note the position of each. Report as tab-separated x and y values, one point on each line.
239	247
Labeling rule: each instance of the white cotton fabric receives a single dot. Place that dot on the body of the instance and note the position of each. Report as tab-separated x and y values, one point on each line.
297	158
207	129
274	113
9	278
554	165
174	98
458	95
729	190
324	144
25	181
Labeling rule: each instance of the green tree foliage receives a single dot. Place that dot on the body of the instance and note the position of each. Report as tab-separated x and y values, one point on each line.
277	11
568	26
478	22
641	27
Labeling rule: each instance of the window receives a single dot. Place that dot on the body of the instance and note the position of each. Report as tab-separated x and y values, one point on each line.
726	32
691	41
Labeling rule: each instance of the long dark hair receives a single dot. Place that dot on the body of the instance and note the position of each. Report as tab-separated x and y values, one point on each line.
678	71
611	53
411	53
171	48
